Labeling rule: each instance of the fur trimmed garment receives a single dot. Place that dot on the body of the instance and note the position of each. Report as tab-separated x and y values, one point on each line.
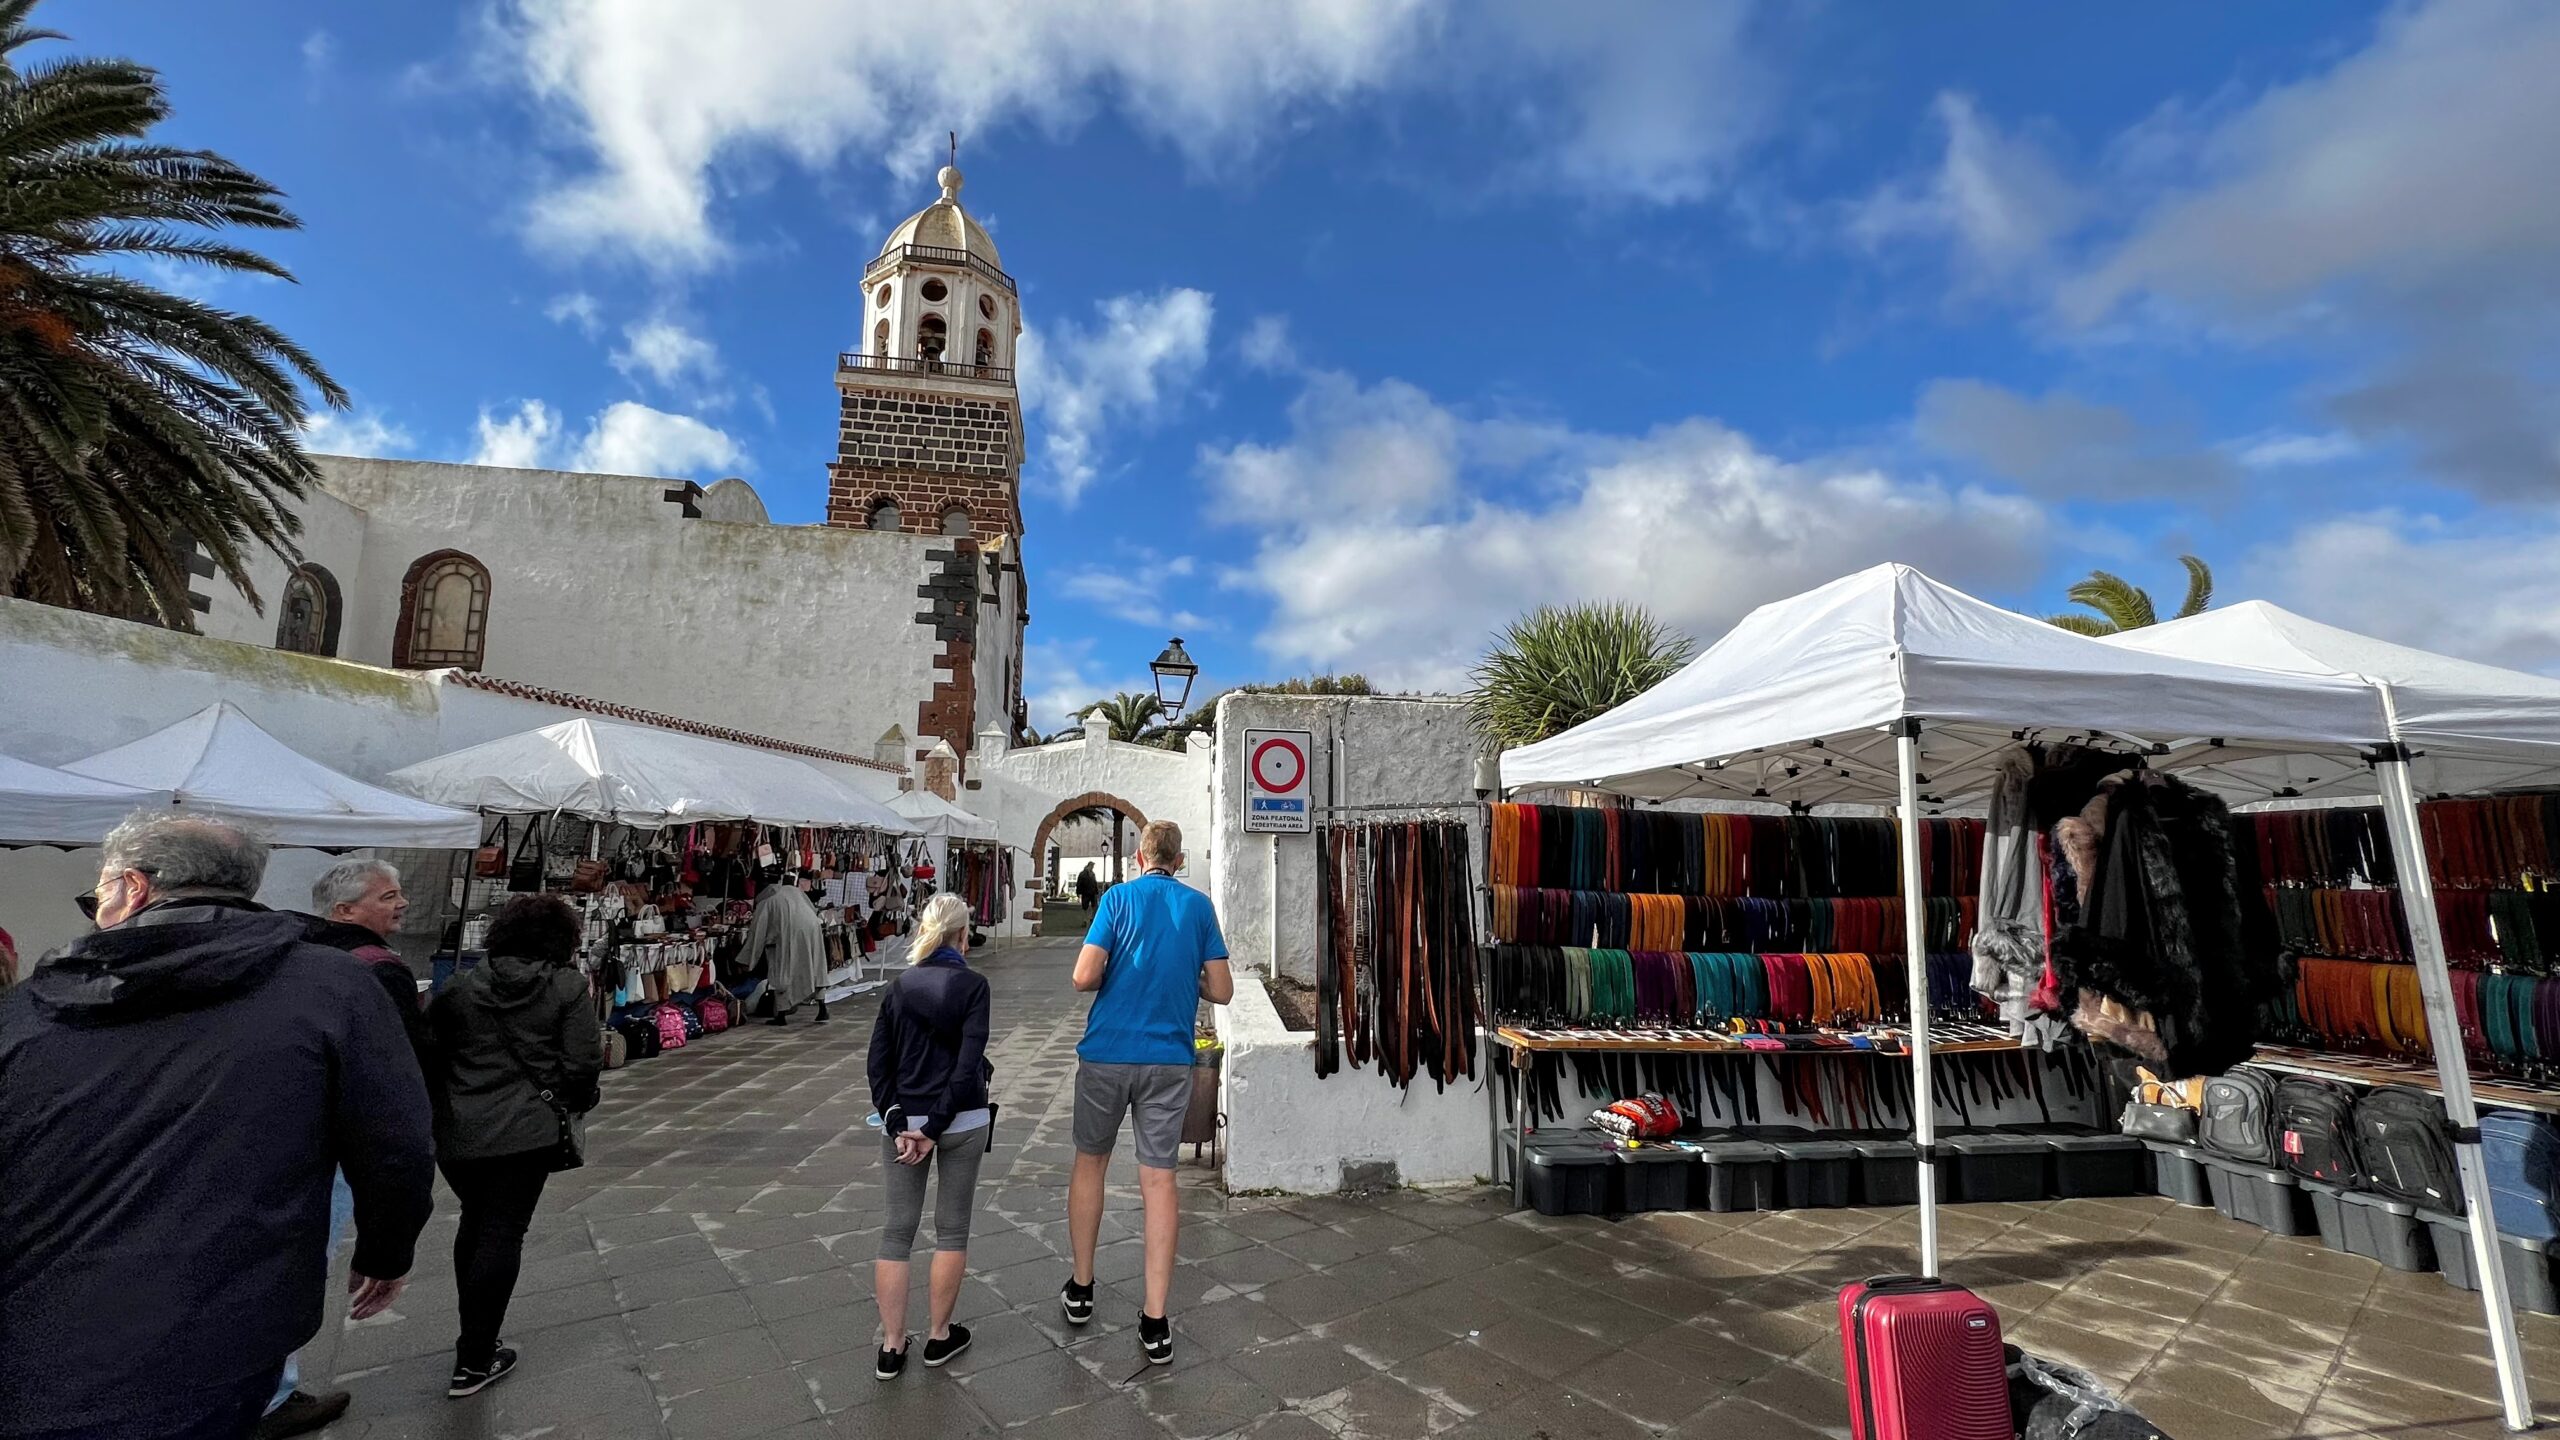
2160	932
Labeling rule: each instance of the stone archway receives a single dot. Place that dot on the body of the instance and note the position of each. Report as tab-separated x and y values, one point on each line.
1090	800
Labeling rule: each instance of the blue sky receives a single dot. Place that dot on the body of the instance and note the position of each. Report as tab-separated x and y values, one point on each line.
1356	329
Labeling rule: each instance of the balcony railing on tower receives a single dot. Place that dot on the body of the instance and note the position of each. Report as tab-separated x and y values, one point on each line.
938	255
911	365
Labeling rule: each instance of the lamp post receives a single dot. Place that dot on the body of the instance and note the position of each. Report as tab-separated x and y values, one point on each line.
1174	664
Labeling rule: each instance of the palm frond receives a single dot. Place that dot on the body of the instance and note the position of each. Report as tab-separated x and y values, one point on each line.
1556	667
2089	625
2199	587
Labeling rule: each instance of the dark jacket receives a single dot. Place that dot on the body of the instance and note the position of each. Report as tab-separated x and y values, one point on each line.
929	1044
391	972
501	1027
174	1094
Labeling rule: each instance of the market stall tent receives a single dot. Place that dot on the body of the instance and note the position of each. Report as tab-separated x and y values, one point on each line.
1886	687
40	805
933	815
641	775
219	759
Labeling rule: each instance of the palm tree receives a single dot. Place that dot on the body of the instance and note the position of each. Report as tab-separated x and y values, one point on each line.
1556	667
2123	605
1203	719
1128	712
135	423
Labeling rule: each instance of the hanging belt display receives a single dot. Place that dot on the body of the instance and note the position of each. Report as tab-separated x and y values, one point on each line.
1396	969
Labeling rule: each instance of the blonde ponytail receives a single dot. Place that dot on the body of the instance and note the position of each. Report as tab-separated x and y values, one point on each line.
946	917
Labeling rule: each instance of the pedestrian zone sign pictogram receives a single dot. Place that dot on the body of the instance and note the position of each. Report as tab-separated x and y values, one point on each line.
1275	781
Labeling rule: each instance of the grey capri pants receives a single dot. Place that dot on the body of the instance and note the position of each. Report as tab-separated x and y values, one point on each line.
955	1158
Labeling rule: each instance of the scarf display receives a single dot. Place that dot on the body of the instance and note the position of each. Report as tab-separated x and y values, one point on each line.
981	875
1666	852
1396	978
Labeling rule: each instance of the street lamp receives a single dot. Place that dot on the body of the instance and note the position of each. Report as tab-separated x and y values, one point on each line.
1174	664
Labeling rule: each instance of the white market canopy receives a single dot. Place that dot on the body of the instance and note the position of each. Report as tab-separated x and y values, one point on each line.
219	759
642	775
933	815
41	805
2475	727
1799	702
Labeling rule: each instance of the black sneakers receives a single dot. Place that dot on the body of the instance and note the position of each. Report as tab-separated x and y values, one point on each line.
1077	1301
471	1382
938	1353
1155	1336
301	1413
890	1363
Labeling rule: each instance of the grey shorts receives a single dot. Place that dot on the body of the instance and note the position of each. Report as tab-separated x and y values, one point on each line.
1160	1094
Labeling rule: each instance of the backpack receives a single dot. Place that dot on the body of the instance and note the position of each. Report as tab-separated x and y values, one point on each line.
671	1028
2237	1118
639	1035
2316	1131
2401	1140
714	1010
2522	1153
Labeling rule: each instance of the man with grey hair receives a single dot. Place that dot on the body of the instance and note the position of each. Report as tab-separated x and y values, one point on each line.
176	1090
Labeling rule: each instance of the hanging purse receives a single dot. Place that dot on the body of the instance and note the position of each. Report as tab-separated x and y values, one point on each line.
524	873
586	877
565	1103
489	862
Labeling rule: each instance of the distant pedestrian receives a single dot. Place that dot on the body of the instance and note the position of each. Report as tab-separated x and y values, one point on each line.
929	1075
355	906
788	944
520	1050
176	1090
1088	889
1152	954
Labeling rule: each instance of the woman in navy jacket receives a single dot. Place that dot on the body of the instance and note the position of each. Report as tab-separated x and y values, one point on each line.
929	1076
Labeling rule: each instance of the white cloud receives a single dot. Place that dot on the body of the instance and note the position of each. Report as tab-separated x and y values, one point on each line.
660	92
624	438
578	308
1266	344
629	438
1128	368
319	49
1998	200
2061	445
1691	520
1060	677
2386	574
2396	208
1134	592
354	432
667	353
521	441
2284	449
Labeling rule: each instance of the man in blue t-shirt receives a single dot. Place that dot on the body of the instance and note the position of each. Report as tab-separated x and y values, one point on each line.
1151	955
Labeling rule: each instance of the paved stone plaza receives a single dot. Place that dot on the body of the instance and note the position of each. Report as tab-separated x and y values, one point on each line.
707	1276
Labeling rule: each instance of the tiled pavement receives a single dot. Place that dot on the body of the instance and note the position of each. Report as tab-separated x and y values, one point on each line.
707	1277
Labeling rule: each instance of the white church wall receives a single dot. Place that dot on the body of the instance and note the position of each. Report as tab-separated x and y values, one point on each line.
600	587
332	538
1019	788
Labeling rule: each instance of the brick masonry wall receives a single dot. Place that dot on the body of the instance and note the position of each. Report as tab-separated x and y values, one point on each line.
950	596
927	450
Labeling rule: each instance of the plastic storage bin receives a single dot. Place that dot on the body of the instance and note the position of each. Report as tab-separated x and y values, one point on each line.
1815	1174
2371	1226
1737	1174
1888	1176
2091	1163
2528	1262
2257	1195
1573	1177
2178	1172
1654	1177
1998	1166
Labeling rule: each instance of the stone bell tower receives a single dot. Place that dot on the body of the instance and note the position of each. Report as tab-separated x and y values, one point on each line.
931	436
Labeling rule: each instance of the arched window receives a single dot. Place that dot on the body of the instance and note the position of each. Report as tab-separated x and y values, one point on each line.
930	335
444	613
986	348
884	514
880	339
955	521
307	622
935	290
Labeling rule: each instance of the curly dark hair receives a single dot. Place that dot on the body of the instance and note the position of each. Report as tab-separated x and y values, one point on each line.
542	928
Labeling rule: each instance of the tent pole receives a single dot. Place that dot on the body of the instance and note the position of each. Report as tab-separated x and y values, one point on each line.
1915	941
2453	1071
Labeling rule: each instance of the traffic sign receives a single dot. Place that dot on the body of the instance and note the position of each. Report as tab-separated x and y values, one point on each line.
1275	781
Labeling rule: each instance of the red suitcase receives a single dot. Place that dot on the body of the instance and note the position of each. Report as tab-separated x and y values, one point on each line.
1924	1362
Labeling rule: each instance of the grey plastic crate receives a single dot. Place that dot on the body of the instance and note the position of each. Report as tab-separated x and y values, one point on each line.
1999	1166
1737	1174
1654	1177
1815	1174
2528	1262
1888	1173
2260	1196
1572	1179
2090	1163
2371	1226
2178	1172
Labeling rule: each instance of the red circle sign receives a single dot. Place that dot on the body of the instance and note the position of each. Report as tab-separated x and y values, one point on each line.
1279	766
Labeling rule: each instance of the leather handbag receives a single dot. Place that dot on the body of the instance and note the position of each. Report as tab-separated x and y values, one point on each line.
489	862
524	873
565	1103
588	876
2159	1122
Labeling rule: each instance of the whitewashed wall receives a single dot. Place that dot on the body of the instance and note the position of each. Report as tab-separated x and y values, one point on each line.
332	538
